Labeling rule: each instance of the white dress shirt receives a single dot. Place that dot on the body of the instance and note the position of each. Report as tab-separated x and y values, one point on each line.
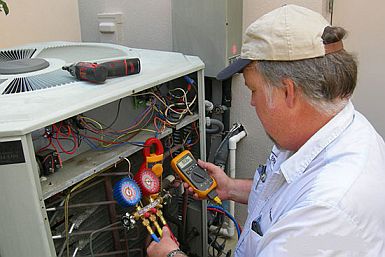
326	199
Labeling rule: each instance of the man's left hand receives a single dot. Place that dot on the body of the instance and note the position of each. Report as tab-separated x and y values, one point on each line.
166	245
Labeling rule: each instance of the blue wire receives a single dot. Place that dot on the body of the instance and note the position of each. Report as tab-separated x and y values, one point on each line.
96	148
189	80
155	238
228	215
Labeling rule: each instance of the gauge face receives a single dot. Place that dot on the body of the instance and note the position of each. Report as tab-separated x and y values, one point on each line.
127	192
148	182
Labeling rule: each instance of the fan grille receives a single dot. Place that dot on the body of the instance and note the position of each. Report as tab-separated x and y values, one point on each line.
47	80
16	54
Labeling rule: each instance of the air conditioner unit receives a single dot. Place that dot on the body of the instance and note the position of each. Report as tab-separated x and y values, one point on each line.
34	93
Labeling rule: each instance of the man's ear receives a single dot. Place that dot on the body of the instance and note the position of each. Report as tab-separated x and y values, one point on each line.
290	92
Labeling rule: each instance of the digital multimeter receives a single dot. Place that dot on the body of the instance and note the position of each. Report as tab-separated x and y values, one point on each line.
185	165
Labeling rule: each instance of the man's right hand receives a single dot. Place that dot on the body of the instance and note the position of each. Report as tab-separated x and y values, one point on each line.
237	190
223	181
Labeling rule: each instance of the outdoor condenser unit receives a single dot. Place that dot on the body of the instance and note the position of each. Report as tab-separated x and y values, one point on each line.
36	94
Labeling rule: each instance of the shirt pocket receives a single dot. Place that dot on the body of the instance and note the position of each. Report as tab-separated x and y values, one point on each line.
251	243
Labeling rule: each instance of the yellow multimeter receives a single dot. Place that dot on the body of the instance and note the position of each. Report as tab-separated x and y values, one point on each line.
185	165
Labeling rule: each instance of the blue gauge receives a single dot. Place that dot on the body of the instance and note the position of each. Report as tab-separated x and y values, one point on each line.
127	192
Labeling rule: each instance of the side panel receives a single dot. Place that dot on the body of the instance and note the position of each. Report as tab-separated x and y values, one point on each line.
23	219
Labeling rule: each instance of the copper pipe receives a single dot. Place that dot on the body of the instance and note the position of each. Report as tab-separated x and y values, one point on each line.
79	205
112	213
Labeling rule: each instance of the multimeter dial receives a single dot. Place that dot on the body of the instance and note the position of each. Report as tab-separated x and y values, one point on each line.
195	174
148	182
200	177
127	192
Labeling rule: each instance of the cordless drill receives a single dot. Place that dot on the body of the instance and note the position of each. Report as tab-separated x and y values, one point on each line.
98	73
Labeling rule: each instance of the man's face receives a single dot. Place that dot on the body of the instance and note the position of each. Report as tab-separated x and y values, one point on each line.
268	109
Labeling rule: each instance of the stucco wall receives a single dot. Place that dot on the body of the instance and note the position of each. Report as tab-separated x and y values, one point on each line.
365	23
146	23
39	21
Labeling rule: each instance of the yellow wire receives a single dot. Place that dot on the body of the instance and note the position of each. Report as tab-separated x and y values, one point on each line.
128	133
97	123
68	196
152	93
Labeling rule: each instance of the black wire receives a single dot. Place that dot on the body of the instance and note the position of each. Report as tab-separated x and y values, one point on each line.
116	117
212	244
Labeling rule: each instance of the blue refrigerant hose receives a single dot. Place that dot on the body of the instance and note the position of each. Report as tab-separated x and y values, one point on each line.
155	238
228	215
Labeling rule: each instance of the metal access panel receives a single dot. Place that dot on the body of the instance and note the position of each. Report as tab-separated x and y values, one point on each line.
210	29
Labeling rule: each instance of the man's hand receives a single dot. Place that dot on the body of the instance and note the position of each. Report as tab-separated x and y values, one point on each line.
223	181
237	190
166	245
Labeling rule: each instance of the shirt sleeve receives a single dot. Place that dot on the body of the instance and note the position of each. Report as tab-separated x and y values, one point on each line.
315	230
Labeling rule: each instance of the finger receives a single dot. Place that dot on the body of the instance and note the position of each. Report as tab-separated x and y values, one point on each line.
150	248
207	165
185	185
191	190
165	232
196	197
151	245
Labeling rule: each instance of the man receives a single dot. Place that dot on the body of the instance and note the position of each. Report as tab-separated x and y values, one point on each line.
322	190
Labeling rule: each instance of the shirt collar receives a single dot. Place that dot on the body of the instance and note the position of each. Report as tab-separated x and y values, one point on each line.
295	166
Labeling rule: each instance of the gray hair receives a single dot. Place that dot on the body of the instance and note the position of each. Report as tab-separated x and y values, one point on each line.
327	82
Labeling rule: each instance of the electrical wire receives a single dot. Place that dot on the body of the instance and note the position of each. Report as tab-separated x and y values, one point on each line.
116	116
68	196
216	207
212	244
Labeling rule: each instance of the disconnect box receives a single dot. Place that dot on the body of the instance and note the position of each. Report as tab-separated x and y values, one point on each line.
210	29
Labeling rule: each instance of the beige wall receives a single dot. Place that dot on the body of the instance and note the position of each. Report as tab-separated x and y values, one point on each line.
252	9
365	22
38	21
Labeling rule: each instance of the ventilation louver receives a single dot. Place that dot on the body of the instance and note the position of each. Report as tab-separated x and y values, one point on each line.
16	54
51	79
37	67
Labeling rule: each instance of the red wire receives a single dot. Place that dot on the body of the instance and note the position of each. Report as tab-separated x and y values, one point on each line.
45	147
197	134
216	210
69	133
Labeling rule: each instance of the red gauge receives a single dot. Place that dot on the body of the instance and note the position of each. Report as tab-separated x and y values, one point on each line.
148	182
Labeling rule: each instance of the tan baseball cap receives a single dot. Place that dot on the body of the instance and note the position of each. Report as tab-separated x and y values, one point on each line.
288	33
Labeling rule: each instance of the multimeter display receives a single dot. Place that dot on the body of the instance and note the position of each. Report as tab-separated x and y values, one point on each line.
186	160
188	169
